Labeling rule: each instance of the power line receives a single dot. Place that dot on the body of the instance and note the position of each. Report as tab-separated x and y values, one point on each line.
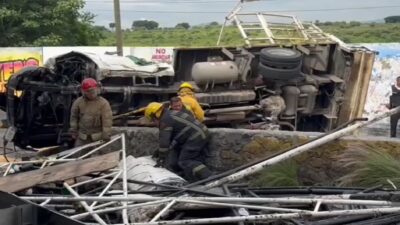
270	11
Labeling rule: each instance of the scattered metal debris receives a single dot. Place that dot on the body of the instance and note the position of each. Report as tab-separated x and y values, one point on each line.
133	191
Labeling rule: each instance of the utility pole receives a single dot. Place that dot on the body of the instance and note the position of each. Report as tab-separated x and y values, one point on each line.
118	31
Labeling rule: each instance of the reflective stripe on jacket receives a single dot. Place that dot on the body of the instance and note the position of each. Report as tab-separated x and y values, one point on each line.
179	128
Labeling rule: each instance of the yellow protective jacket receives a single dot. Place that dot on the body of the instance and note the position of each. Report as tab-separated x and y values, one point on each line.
188	99
91	119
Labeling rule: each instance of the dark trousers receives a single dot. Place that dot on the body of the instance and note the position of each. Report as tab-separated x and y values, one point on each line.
171	162
393	124
189	159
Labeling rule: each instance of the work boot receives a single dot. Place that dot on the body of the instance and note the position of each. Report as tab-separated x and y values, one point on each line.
203	173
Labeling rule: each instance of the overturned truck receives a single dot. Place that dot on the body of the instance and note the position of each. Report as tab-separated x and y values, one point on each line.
286	76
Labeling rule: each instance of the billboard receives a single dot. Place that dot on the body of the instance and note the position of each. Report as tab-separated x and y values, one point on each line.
14	59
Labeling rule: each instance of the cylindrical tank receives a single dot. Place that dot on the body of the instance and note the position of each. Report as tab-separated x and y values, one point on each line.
291	96
308	94
215	72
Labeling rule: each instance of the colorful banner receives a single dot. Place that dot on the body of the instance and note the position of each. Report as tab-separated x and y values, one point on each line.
14	59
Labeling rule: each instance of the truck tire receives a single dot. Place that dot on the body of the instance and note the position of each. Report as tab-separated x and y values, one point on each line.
280	65
271	73
280	55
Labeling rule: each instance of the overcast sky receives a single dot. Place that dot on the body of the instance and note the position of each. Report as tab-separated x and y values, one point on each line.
170	12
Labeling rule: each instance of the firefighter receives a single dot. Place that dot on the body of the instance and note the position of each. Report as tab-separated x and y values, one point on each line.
175	103
186	93
180	130
91	115
394	102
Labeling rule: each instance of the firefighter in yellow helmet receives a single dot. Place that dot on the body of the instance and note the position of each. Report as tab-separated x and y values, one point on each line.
186	93
180	130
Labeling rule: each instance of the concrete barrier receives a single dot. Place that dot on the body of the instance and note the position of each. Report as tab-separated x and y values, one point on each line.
230	148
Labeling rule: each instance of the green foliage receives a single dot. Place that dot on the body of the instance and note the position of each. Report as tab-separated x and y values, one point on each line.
46	22
392	19
282	174
365	33
145	24
369	167
183	25
206	36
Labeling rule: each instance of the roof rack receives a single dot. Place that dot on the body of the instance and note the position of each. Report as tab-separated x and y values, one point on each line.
274	29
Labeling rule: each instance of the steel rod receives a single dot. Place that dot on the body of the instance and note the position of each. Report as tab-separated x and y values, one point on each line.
255	218
316	209
80	148
113	209
301	149
275	209
288	200
45	202
94	179
178	189
113	139
161	213
3	165
233	109
104	205
124	181
44	164
8	169
107	187
85	205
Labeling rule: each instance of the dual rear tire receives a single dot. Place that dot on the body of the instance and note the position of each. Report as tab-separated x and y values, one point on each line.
280	64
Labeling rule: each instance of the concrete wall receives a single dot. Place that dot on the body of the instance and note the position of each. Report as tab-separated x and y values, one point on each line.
231	148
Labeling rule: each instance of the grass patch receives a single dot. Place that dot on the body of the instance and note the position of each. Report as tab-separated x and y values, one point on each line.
207	36
369	167
279	175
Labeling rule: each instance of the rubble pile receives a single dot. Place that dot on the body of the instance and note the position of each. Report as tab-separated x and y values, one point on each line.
93	186
98	184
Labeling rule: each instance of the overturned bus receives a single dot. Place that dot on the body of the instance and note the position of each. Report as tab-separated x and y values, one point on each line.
285	77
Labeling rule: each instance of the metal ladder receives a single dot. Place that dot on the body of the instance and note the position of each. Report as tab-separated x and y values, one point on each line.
275	33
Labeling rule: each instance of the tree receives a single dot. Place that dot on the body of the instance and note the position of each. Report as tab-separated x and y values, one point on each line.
354	24
214	23
183	25
112	26
392	19
102	29
146	24
46	22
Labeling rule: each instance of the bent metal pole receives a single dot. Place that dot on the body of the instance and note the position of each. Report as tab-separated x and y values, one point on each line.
279	216
301	149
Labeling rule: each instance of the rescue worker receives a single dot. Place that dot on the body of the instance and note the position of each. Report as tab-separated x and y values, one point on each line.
175	103
91	115
180	130
186	93
394	102
171	161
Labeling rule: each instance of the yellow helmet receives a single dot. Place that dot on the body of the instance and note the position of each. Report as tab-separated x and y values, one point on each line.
152	109
186	85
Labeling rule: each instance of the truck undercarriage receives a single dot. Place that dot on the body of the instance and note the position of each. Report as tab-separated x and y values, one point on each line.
312	86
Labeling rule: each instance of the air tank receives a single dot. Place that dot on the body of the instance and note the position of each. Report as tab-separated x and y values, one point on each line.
215	72
291	95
